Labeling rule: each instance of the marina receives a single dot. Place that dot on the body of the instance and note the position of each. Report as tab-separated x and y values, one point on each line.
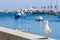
30	20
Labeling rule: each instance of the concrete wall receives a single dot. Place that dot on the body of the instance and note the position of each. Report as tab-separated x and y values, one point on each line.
5	36
9	34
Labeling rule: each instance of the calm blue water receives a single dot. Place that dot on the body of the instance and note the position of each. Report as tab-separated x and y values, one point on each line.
29	23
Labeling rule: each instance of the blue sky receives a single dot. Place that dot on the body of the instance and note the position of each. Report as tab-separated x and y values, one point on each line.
18	4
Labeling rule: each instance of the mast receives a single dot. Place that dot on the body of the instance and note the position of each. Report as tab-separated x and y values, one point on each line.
56	5
51	5
56	9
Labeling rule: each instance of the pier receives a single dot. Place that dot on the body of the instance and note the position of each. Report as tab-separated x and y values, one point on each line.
9	34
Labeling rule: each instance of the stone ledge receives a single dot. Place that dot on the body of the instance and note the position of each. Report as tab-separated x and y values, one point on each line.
10	34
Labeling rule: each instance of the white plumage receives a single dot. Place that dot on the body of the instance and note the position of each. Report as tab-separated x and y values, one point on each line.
47	29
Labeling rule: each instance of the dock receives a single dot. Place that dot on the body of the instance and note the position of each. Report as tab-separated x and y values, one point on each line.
31	10
10	34
34	10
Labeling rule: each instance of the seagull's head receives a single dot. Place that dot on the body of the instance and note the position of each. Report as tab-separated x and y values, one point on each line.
46	22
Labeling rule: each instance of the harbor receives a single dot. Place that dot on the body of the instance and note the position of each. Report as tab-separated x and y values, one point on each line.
29	19
32	10
24	33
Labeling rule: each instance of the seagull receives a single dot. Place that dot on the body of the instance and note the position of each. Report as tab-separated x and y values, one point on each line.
47	29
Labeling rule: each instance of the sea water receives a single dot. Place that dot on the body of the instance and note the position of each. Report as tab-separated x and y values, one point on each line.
28	22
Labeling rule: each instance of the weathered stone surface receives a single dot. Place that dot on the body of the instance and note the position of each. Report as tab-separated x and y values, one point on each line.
5	36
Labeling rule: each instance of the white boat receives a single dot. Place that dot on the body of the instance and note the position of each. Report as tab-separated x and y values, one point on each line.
39	18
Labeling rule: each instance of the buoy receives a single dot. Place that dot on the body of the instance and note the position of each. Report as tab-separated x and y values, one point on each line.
47	29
